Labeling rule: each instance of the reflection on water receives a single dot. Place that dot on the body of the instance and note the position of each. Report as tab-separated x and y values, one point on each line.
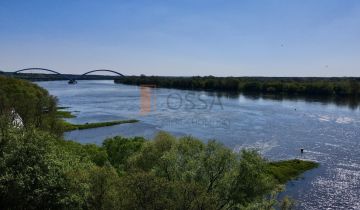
350	102
278	127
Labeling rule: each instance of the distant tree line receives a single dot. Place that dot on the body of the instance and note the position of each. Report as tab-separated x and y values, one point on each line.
273	85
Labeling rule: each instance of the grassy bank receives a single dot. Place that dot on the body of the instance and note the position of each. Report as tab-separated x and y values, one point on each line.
64	114
69	126
286	170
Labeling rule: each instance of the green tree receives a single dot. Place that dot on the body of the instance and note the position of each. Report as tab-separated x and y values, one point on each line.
34	173
143	190
32	103
119	149
104	189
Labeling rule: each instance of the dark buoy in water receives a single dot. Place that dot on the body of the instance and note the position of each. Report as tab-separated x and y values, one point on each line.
302	150
72	82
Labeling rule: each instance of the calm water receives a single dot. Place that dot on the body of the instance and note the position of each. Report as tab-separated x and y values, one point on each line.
328	133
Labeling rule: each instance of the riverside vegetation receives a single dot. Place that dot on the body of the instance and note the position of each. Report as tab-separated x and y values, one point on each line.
61	113
276	85
41	170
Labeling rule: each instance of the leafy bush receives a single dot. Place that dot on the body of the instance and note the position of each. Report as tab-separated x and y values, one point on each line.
36	174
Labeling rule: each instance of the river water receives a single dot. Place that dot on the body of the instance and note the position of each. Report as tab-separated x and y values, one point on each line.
328	132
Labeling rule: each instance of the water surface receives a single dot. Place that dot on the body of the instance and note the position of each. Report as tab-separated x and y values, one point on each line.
329	133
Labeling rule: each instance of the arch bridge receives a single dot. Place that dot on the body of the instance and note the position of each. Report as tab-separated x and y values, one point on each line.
39	69
73	81
103	70
72	78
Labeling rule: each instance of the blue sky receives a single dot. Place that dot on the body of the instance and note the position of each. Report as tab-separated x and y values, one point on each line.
183	37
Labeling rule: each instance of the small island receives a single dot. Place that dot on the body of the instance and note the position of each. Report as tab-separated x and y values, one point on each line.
62	114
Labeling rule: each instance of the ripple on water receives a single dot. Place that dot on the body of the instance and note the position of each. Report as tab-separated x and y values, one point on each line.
335	190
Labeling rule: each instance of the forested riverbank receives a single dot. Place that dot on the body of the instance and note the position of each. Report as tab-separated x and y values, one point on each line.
41	170
307	86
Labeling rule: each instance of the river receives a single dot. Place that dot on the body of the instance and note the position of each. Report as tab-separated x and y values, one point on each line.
328	132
